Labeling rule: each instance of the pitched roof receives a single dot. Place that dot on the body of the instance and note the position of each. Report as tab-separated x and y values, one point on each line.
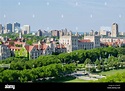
29	48
84	40
36	46
43	46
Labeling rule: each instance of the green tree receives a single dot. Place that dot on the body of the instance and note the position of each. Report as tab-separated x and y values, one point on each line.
23	52
97	62
29	41
87	61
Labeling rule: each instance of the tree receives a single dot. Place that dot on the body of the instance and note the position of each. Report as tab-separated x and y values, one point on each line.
97	62
87	61
99	67
30	42
17	53
23	52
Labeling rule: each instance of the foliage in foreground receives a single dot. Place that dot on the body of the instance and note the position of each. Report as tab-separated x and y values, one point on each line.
52	70
119	77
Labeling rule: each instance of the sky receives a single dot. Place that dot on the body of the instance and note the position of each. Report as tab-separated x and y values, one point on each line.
75	15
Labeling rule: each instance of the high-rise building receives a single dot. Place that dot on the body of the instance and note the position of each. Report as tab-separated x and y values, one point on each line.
114	30
26	28
9	27
39	33
16	25
0	28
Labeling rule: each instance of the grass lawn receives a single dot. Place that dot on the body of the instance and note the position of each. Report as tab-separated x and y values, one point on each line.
70	79
107	73
112	72
77	80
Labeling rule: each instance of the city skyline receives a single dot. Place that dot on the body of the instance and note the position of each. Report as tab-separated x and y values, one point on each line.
75	15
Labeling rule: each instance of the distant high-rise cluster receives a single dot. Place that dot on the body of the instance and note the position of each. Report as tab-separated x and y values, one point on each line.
14	28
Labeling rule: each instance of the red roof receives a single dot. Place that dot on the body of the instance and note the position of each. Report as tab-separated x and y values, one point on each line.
43	46
37	46
84	40
29	47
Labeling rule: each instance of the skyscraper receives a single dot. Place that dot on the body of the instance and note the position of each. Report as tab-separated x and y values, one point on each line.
16	25
9	27
0	28
26	28
39	33
114	30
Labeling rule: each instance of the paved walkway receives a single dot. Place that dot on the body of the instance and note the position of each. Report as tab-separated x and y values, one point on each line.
82	75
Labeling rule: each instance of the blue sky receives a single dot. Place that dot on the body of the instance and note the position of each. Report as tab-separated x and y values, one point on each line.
75	15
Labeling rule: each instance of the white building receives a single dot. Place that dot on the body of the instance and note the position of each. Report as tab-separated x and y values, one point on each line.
94	39
85	44
69	41
114	30
112	39
72	43
26	28
5	31
121	33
